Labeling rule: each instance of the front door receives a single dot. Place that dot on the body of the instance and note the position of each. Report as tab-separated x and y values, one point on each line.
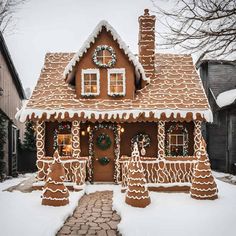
103	163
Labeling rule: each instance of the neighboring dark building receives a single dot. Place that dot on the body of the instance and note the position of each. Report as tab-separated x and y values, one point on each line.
11	97
219	78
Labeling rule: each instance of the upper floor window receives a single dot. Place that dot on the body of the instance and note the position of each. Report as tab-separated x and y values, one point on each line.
104	56
177	140
116	82
90	82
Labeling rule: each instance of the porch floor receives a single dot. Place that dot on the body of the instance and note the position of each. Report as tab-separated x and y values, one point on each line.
93	216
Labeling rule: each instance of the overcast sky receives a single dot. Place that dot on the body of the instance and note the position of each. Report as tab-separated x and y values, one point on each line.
63	26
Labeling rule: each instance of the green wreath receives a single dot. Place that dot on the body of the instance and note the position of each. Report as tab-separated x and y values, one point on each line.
103	141
104	160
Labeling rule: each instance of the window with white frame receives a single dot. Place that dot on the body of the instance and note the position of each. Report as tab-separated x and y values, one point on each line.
14	139
177	140
90	82
116	82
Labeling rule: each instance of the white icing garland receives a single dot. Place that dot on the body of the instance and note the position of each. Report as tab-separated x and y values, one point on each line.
54	191
203	196
136	197
204	190
55	199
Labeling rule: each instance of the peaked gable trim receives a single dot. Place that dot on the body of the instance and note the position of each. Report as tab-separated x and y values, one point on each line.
139	71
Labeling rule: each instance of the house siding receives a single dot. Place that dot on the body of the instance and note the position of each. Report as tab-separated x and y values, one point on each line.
10	100
218	77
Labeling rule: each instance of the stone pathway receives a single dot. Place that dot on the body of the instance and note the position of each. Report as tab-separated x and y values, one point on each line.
93	216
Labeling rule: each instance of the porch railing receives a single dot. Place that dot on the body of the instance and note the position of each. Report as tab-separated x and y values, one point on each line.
162	171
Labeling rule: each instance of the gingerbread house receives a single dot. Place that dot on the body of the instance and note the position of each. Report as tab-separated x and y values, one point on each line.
94	105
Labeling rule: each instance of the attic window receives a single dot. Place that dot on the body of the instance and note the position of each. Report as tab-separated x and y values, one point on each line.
90	82
116	82
104	56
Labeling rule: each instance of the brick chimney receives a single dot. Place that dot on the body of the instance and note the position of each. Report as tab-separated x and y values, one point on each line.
147	42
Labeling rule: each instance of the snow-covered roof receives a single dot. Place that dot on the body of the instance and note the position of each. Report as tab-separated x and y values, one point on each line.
176	91
226	98
91	39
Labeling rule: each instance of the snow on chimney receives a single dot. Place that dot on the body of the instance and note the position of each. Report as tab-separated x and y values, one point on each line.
147	42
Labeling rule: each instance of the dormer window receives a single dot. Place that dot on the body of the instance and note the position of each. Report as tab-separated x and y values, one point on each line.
116	82
90	82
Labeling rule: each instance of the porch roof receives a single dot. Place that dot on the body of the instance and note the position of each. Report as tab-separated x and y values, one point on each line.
176	91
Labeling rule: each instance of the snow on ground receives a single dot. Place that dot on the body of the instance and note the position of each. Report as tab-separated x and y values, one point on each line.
23	214
169	213
176	213
14	181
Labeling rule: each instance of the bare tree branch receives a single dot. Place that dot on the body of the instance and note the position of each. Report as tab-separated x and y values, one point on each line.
7	10
208	26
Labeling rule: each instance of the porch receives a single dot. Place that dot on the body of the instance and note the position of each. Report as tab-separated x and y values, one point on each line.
162	170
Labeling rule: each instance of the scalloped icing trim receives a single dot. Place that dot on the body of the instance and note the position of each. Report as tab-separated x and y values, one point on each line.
22	114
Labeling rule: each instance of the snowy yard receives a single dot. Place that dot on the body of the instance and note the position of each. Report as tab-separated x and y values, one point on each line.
169	213
23	214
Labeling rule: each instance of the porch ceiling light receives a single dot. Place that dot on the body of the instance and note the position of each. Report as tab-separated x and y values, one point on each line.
122	130
88	129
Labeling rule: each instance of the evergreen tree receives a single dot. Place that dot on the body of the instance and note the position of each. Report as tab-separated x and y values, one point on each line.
29	142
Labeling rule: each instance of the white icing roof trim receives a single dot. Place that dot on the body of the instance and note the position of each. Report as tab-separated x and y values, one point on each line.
226	98
22	114
91	39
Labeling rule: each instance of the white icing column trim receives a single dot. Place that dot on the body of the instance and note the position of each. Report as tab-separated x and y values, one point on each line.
116	71
40	139
90	71
75	130
161	139
197	136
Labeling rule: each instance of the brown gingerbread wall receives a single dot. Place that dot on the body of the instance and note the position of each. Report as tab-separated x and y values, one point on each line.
105	38
130	129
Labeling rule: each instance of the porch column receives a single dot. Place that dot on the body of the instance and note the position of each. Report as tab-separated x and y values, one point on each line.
75	130
40	139
197	136
161	139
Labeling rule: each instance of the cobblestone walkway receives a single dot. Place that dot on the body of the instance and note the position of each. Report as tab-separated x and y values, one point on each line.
93	216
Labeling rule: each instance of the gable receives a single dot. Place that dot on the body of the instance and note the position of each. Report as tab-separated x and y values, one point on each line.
122	63
139	71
